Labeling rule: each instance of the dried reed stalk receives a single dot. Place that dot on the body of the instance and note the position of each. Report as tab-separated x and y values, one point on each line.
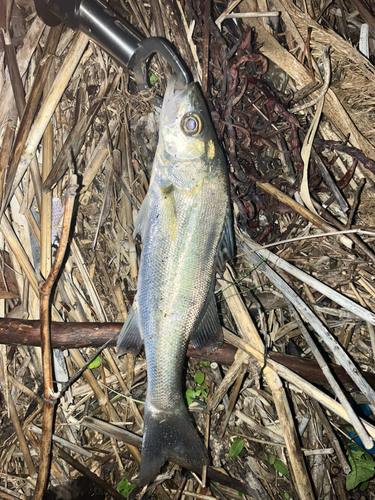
329	340
33	101
347	61
299	383
249	332
4	379
304	212
19	96
23	60
101	397
48	107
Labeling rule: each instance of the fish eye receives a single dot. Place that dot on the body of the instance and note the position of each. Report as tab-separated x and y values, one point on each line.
191	124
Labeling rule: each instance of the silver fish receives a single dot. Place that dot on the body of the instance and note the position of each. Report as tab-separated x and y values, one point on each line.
185	226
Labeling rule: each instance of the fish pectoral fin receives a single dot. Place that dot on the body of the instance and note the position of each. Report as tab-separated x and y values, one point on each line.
166	188
142	218
130	338
226	248
169	436
209	335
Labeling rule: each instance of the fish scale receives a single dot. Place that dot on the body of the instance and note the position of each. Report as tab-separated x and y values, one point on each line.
183	223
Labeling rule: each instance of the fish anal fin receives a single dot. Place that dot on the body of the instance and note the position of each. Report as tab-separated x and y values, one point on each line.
130	338
169	436
209	335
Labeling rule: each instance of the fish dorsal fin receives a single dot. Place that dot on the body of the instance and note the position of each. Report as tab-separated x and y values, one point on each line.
209	335
130	337
142	218
226	248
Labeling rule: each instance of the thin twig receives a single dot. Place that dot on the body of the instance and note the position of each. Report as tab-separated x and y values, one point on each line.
324	89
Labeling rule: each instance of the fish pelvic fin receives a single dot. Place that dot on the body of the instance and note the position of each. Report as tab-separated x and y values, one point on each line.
169	436
130	337
209	335
226	250
142	218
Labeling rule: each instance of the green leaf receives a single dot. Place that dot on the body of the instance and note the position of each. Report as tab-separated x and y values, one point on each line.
240	494
153	79
363	486
271	458
198	392
204	394
96	363
363	467
124	487
285	495
204	363
281	467
236	448
190	395
199	378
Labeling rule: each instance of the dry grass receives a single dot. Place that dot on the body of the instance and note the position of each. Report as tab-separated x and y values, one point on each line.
261	400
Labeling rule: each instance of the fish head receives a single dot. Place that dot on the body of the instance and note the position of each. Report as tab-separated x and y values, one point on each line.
188	144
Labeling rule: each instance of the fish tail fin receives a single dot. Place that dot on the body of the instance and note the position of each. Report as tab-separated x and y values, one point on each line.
171	437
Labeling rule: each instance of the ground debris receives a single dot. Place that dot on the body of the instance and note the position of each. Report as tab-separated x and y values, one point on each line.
303	216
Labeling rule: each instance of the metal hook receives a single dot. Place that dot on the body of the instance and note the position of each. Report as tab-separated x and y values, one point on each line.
115	35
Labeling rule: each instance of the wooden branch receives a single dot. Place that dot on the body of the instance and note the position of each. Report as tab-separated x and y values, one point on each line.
79	335
45	334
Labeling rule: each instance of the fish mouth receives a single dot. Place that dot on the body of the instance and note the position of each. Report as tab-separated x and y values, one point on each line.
173	98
